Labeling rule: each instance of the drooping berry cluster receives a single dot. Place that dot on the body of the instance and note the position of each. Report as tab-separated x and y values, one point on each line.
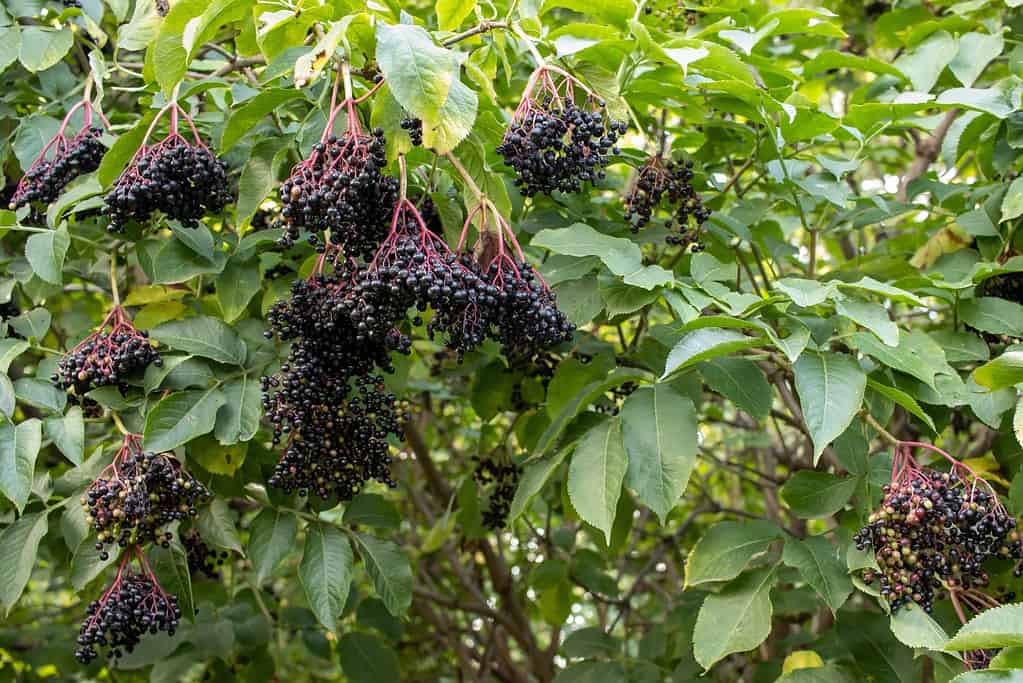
414	127
934	531
202	559
61	160
331	414
182	179
667	184
501	478
137	495
134	605
340	188
553	144
106	357
1007	286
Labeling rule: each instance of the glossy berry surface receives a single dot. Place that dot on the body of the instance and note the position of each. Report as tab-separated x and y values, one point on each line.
45	179
107	357
667	186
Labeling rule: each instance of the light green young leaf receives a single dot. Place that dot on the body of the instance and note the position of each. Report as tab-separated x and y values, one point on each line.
994	628
726	548
830	387
46	251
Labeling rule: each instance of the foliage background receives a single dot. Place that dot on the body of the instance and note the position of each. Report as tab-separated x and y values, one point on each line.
861	160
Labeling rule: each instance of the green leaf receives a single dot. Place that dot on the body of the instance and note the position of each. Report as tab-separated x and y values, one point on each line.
142	29
217	526
592	672
390	571
203	336
32	323
366	658
9	350
181	417
1012	204
993	628
534	477
904	400
10	45
167	53
86	564
704	344
994	315
915	628
621	256
990	676
418	72
660	435
451	13
122	151
976	50
171	567
735	620
19	446
961	347
258	175
916	354
813	495
271	538
726	548
19	544
872	316
371	509
40	394
740	381
596	473
42	46
830	387
244	118
617	12
238	418
925	63
326	572
46	251
818	563
806	293
236	287
453	121
67	432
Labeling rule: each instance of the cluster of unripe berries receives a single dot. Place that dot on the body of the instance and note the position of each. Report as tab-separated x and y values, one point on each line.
667	184
183	180
933	532
555	146
133	606
340	188
501	478
45	179
106	357
138	495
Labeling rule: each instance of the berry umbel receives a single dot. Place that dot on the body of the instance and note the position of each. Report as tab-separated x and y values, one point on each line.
667	185
62	159
182	179
554	144
107	356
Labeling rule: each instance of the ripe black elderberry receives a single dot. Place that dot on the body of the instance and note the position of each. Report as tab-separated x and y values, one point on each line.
135	604
669	184
502	479
340	188
107	356
329	412
934	531
182	179
61	161
202	559
414	128
552	143
138	494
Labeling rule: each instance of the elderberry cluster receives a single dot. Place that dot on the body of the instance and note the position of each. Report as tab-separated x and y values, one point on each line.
202	559
414	128
524	312
139	494
132	607
502	479
659	184
330	413
106	358
935	530
45	179
558	146
340	187
182	180
1007	286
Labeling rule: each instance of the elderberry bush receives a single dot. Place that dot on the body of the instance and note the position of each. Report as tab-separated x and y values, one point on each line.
340	188
182	180
936	530
133	606
139	494
669	185
45	179
553	144
501	478
106	357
